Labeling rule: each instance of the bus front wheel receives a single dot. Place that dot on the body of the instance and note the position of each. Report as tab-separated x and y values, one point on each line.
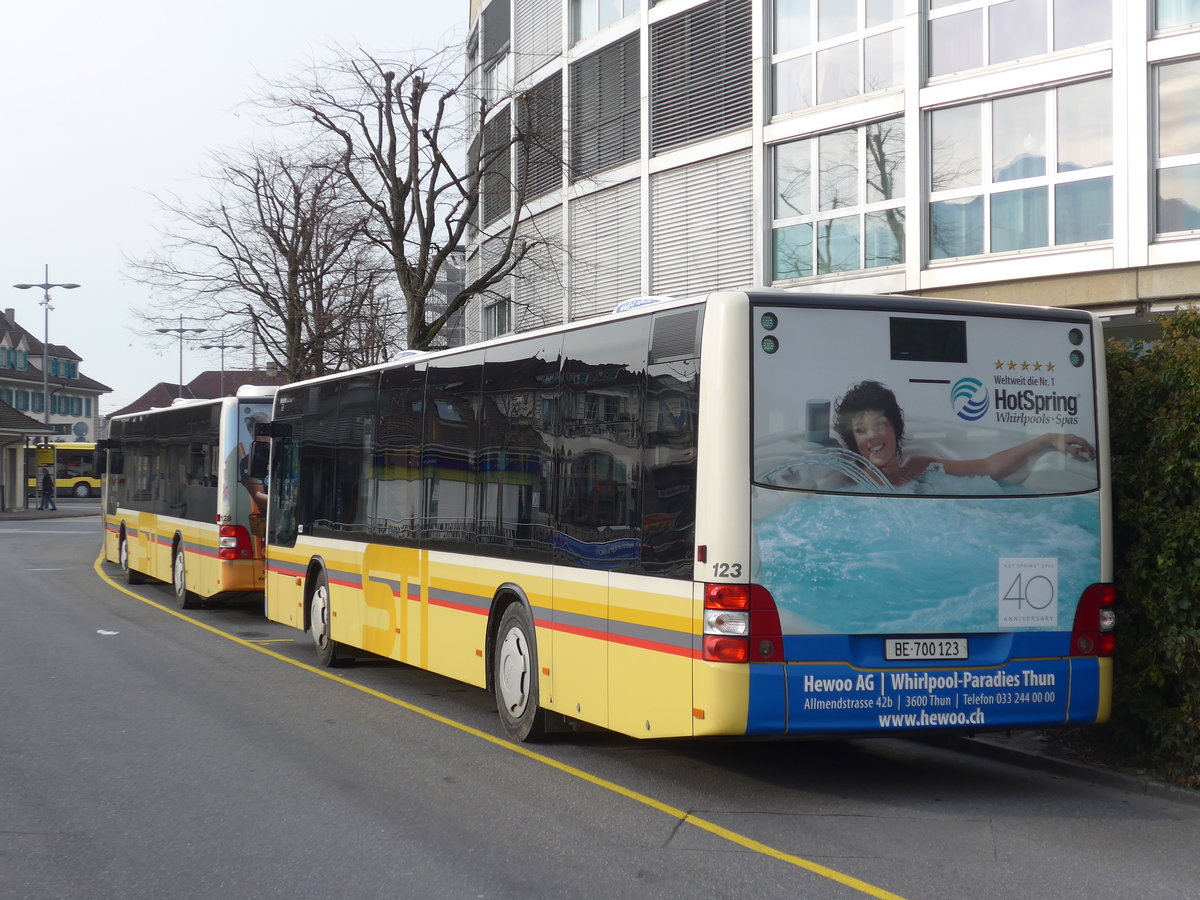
82	490
516	676
184	598
132	576
330	653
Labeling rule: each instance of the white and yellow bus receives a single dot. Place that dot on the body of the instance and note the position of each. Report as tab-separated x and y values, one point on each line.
73	464
747	513
179	504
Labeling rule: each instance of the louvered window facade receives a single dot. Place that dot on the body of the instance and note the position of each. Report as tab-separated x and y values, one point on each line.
605	113
540	282
539	160
606	254
537	35
497	162
477	264
495	29
700	74
702	227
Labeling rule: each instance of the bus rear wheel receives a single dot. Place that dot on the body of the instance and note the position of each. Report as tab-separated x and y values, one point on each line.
82	490
184	598
132	576
330	653
515	677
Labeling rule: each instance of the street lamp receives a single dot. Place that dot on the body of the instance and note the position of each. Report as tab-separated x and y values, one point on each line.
181	331
221	346
45	304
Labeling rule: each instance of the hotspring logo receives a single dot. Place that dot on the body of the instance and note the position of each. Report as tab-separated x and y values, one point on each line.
969	398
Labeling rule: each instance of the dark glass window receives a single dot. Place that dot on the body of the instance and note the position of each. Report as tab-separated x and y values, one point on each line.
518	430
604	383
399	499
451	443
354	438
168	464
284	493
317	484
669	461
334	446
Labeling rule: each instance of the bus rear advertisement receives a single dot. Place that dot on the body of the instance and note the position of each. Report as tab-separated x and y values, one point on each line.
940	504
745	513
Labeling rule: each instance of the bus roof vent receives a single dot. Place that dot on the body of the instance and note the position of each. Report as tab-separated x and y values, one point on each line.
405	354
636	302
674	336
256	392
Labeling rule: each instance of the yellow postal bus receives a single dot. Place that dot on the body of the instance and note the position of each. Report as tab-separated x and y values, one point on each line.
73	464
179	505
745	513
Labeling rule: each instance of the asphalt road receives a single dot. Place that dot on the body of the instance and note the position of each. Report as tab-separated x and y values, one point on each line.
150	754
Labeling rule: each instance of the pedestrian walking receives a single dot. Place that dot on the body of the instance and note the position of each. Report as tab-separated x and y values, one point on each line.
47	500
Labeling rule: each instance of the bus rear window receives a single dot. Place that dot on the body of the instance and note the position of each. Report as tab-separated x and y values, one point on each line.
929	340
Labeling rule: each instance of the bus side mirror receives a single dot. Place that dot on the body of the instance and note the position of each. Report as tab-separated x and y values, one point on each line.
260	459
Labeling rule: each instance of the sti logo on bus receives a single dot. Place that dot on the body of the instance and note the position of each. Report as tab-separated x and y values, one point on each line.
969	399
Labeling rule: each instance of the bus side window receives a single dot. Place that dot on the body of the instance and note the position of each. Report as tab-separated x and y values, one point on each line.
518	431
603	393
398	454
260	459
284	492
450	449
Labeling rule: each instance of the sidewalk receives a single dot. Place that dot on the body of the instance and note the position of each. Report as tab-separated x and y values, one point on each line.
1030	750
67	509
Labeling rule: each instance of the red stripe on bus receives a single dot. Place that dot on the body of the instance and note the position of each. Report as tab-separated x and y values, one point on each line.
640	643
461	607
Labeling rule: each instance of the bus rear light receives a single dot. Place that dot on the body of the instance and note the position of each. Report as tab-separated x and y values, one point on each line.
234	543
727	596
725	649
741	624
724	621
1095	621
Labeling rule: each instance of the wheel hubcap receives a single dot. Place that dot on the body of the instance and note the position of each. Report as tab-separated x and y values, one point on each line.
320	616
514	672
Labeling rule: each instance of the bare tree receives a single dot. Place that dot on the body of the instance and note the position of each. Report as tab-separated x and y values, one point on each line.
430	161
279	251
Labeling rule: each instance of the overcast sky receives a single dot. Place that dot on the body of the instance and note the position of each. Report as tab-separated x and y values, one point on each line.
105	105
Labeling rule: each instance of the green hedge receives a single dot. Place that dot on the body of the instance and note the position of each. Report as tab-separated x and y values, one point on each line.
1154	407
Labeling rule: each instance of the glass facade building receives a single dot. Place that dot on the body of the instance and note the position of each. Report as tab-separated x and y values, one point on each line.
1030	151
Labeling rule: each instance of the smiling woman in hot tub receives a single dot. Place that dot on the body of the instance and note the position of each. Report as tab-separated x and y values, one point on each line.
871	423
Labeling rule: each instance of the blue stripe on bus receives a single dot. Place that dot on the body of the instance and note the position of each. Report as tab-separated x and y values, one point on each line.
1085	690
835	697
767	710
